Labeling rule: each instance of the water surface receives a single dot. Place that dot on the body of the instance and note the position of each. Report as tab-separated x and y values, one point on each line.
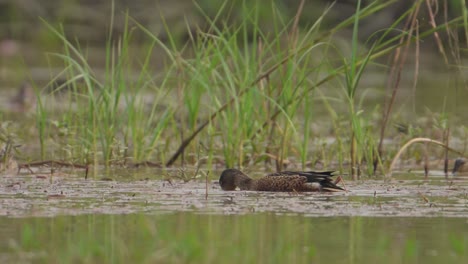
189	237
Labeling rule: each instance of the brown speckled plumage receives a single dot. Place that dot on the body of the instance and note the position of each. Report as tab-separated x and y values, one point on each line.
286	181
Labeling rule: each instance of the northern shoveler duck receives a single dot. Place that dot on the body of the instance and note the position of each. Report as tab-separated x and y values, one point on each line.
285	181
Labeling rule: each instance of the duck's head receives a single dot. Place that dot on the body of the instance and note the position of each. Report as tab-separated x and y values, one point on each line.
228	179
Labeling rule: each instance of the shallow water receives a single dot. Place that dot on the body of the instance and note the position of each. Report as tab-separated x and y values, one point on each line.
253	238
140	218
39	194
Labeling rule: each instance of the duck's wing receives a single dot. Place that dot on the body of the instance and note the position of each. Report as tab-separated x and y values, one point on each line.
312	176
322	177
289	183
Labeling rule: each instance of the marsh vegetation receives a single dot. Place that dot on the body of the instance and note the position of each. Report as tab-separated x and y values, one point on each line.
144	122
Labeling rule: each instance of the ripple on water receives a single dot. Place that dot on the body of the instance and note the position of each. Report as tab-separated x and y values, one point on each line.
27	195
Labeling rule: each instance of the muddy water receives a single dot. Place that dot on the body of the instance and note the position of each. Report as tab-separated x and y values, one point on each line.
64	218
39	194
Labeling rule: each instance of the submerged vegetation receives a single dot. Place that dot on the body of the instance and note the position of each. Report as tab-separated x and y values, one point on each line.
238	94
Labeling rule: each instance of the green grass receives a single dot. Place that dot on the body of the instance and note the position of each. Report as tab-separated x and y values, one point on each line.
234	92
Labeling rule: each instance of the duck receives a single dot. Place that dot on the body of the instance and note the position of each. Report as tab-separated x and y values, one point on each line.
285	181
459	166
